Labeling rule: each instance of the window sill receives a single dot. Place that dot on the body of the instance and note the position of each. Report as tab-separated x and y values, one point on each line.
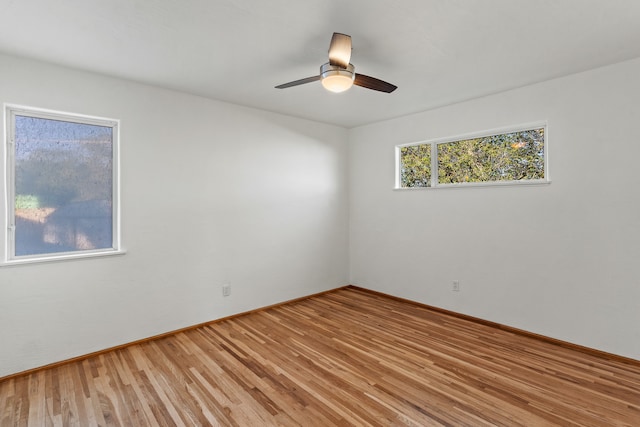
65	257
475	185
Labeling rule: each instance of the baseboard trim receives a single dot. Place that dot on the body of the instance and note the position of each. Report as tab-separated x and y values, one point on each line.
522	332
163	335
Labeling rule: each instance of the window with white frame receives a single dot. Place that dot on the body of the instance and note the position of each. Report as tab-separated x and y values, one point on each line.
506	156
62	185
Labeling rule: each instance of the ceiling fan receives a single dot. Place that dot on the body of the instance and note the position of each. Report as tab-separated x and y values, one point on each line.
338	74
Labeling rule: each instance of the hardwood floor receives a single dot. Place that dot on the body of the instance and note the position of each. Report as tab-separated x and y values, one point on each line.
348	357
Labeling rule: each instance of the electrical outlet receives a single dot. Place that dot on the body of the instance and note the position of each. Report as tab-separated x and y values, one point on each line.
455	286
226	290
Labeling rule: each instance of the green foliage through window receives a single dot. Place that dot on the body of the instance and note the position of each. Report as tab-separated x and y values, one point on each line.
512	156
415	170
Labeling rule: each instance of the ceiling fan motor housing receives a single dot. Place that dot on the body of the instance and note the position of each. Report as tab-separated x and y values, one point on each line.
336	78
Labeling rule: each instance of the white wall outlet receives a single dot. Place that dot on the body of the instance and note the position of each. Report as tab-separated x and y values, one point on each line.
455	286
226	289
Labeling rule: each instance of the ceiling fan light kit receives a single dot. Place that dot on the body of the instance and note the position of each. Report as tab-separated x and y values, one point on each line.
335	78
338	75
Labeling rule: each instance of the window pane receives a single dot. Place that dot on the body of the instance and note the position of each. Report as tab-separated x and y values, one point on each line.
415	166
505	157
63	186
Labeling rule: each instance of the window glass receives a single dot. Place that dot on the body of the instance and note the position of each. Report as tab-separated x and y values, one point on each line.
415	166
511	156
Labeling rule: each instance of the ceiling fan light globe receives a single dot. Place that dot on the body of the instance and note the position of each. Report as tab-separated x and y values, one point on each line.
337	83
336	79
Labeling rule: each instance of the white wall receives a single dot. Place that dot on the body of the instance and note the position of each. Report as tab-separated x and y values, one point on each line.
562	260
211	193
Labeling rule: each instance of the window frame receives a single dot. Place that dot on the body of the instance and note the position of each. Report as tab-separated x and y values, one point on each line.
8	257
434	143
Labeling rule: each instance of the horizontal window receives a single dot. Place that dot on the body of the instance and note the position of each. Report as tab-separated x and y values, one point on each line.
62	193
512	156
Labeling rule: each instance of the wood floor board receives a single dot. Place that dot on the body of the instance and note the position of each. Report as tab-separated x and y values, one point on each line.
343	358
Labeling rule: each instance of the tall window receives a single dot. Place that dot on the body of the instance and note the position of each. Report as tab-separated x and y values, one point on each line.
512	156
62	185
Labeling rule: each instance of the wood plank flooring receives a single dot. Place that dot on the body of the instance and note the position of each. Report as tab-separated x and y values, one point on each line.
348	357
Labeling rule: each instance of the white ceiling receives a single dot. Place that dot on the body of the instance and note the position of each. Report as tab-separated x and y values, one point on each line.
436	51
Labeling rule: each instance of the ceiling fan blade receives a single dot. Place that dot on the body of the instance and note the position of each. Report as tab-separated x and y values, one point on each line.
298	82
340	50
373	83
